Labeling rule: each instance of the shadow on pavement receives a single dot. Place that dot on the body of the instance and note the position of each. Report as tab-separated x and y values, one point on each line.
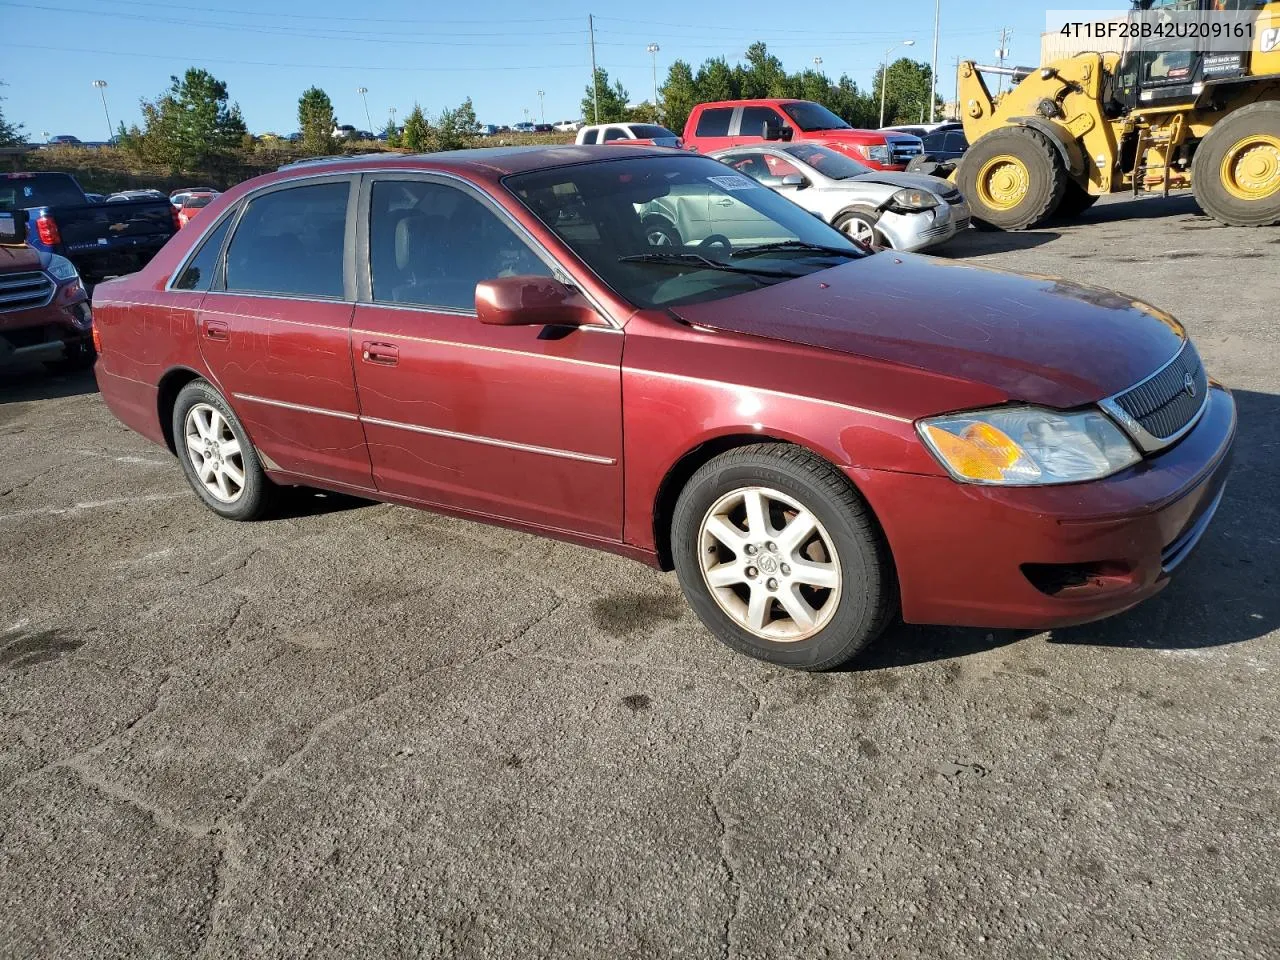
24	382
1228	592
978	243
297	502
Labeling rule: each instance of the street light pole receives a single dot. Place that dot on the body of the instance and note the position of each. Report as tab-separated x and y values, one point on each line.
652	49
364	95
817	62
542	105
933	73
101	86
884	74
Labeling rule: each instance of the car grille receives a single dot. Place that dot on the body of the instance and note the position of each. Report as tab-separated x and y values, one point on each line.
904	151
22	291
953	197
1167	403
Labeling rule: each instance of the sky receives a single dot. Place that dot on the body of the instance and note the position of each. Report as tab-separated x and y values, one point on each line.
498	52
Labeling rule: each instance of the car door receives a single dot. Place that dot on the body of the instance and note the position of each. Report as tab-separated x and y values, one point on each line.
712	131
275	327
750	124
518	422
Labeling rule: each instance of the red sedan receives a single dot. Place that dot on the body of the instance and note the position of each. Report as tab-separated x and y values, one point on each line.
814	436
193	203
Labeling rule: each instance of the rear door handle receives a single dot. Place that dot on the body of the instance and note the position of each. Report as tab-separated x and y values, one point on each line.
217	330
387	354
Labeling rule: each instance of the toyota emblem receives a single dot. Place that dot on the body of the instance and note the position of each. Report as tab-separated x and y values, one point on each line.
1189	383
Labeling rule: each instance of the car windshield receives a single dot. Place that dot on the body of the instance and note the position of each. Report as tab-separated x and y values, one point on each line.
650	131
813	116
663	231
826	161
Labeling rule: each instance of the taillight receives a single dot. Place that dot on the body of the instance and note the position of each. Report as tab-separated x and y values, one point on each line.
47	230
97	340
177	219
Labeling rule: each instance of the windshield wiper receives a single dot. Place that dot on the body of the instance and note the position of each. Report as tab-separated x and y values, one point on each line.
761	248
697	260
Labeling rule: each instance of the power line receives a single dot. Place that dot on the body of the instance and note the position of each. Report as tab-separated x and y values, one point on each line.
312	17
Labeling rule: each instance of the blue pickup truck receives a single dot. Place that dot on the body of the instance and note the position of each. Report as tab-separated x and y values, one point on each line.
101	239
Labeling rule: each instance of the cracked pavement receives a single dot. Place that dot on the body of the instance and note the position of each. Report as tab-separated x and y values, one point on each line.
361	730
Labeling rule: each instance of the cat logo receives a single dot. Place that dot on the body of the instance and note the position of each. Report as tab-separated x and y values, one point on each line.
1269	39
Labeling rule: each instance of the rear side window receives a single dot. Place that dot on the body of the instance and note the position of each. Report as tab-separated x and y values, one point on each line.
290	242
589	136
754	119
614	133
714	123
199	271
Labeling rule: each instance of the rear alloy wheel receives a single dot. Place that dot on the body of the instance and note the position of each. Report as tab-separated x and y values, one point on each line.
216	455
781	559
1236	171
1013	178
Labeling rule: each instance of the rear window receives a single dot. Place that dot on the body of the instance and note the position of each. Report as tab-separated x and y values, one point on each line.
202	201
22	190
650	131
714	123
589	136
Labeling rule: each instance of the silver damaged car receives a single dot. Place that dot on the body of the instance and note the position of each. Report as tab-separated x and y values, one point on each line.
903	211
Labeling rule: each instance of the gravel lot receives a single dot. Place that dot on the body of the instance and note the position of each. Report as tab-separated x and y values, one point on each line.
361	730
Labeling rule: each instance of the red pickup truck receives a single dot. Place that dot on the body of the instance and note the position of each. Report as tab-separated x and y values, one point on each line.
735	123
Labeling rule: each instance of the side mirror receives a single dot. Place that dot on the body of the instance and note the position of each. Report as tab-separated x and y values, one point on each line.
794	180
775	130
531	301
13	228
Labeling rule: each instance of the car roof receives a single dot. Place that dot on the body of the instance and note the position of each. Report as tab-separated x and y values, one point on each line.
485	163
758	102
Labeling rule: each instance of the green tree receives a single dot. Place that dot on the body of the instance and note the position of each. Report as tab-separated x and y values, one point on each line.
612	99
316	121
191	122
679	96
392	134
457	126
907	95
10	133
715	81
643	112
417	134
763	75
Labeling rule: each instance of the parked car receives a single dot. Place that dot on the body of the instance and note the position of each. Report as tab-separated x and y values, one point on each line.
568	126
922	129
44	308
176	197
95	197
814	436
193	203
542	128
629	134
522	128
126	195
486	129
65	140
945	146
101	239
736	123
902	211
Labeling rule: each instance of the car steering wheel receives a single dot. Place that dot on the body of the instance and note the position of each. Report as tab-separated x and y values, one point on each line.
716	240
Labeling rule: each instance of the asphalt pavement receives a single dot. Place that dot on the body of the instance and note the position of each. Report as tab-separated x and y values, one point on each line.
362	730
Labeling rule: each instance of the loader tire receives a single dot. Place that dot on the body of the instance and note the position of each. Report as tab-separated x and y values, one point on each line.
1013	178
1075	201
1236	171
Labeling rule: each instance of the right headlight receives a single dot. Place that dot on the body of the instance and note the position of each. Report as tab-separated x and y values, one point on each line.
1028	446
914	200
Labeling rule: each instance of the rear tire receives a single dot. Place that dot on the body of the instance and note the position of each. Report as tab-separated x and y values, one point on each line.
217	457
1013	178
1236	171
806	601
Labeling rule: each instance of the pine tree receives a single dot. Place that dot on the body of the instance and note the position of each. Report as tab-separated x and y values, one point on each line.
316	121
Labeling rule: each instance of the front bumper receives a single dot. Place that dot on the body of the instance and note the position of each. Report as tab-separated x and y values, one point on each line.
912	232
1042	557
47	331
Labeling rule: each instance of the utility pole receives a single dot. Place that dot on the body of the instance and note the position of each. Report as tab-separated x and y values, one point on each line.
1002	54
955	76
933	73
364	95
652	49
542	105
595	83
101	86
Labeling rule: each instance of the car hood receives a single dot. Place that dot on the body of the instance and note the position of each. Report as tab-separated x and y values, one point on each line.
912	181
1033	339
16	259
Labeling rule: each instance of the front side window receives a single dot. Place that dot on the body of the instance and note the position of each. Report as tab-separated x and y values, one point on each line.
430	244
813	116
663	231
754	119
290	243
199	272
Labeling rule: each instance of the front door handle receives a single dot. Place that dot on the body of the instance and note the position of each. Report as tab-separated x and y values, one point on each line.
217	330
723	202
387	354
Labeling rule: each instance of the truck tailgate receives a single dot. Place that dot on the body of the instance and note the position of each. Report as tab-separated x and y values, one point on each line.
123	223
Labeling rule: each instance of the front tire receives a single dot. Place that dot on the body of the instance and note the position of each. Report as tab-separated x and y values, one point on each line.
862	224
1013	178
216	455
781	559
1235	174
660	232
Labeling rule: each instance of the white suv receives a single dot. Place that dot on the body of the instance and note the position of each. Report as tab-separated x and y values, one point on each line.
649	134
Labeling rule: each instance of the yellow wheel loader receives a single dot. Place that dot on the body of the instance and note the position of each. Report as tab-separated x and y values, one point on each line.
1157	117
